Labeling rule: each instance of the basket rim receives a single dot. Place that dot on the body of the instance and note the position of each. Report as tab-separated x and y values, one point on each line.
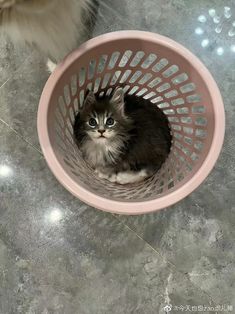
131	208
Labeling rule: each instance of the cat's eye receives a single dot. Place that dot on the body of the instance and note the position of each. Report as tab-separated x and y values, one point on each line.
110	122
92	122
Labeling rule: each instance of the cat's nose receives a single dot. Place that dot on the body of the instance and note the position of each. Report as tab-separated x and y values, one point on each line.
101	131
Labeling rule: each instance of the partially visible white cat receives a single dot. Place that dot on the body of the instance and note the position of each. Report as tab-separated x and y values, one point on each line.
55	26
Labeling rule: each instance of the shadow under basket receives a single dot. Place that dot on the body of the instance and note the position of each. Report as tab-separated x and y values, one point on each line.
155	68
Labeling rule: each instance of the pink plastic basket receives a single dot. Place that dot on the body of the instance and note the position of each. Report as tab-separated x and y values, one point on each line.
153	67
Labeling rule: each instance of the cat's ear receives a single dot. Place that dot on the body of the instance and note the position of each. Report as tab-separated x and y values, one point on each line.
117	99
89	99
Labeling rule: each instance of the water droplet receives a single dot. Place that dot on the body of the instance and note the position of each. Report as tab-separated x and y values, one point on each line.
202	18
227	12
231	32
220	51
199	31
212	12
216	19
205	42
218	29
232	48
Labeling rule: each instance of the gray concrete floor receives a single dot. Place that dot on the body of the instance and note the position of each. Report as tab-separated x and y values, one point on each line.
86	261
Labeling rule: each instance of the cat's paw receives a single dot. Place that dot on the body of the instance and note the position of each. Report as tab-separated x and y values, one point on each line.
124	178
106	174
6	3
113	178
101	175
129	177
109	177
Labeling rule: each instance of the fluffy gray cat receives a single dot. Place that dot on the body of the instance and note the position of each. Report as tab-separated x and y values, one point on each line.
56	27
124	138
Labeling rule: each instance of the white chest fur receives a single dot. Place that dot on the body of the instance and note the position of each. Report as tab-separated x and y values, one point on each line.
96	154
102	152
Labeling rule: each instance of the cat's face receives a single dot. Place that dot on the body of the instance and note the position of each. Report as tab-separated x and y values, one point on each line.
104	119
101	125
